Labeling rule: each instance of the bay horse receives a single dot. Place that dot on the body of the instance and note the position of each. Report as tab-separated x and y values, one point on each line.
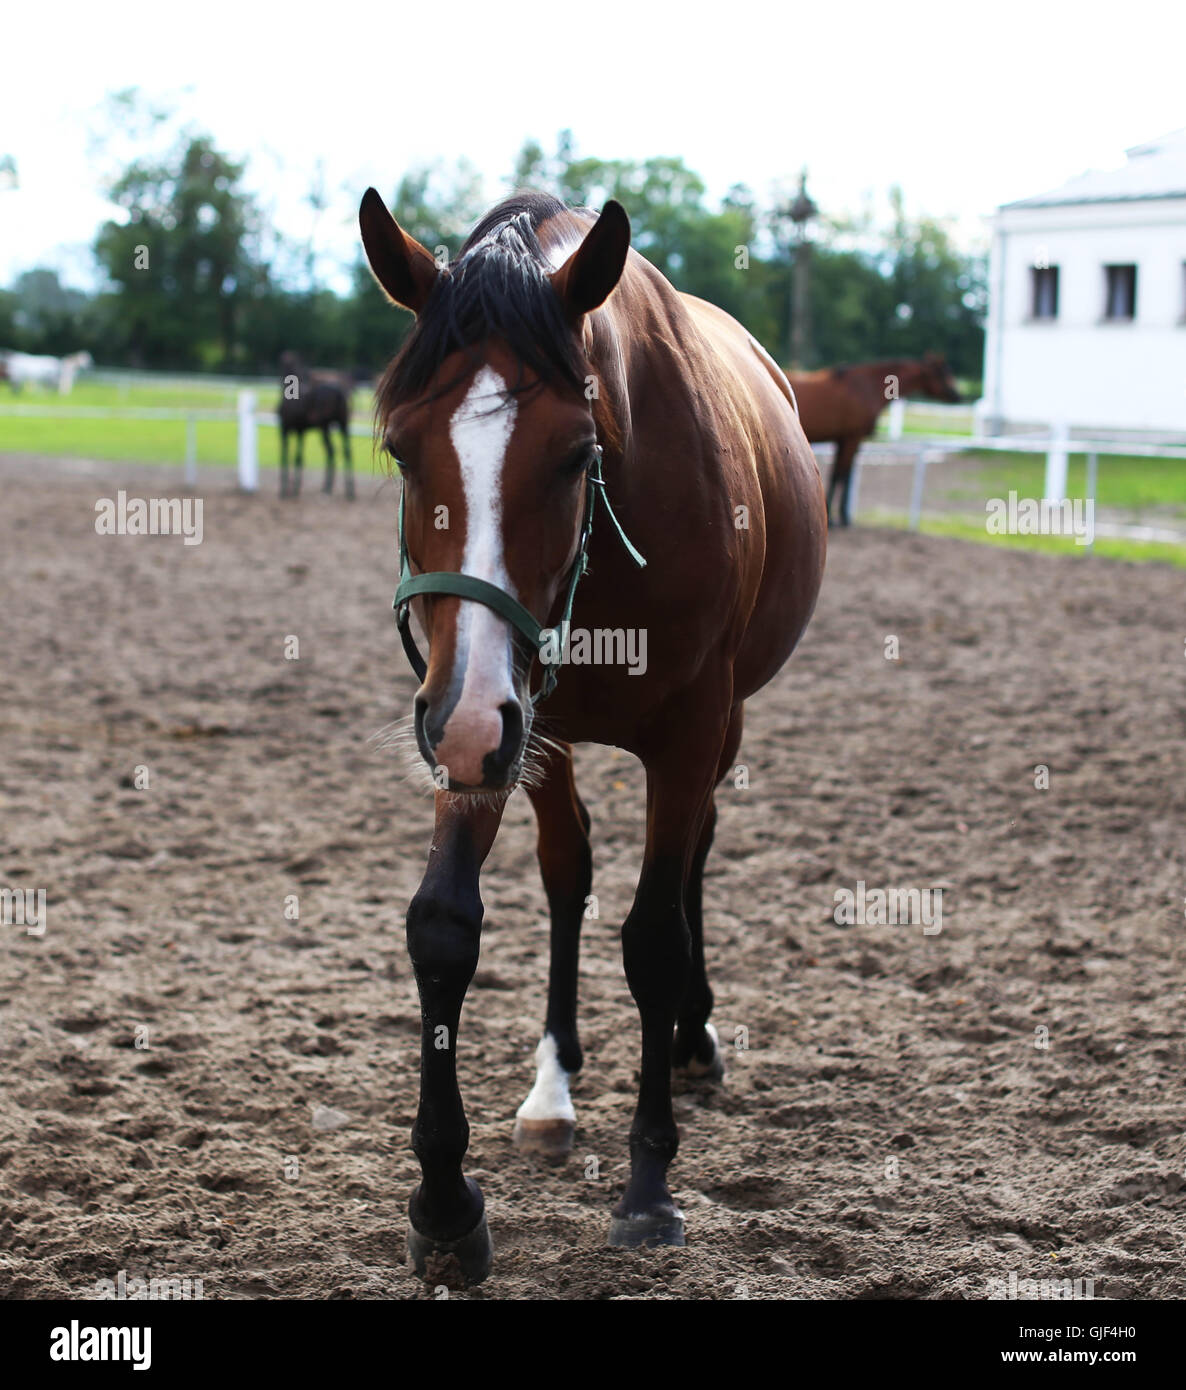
313	400
553	375
840	405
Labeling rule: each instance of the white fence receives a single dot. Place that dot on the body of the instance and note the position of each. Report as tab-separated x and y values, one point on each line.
246	413
918	452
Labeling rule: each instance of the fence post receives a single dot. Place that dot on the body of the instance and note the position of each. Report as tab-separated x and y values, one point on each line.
248	454
1093	467
920	474
854	488
191	451
896	417
1056	464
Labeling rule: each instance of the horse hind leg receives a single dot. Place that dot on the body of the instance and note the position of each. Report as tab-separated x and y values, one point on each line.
657	953
696	1050
546	1121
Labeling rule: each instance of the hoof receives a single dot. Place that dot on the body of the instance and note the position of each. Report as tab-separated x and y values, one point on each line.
458	1264
632	1232
549	1138
711	1068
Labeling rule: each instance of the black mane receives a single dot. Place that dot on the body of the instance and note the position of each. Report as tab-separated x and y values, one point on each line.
497	287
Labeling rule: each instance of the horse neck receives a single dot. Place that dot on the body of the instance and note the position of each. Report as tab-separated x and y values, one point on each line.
909	374
873	377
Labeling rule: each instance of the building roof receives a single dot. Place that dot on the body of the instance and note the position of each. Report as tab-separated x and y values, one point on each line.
1156	169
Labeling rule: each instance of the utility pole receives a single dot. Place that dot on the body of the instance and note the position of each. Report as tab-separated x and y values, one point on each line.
801	211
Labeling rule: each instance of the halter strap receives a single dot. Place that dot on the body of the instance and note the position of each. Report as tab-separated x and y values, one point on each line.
468	586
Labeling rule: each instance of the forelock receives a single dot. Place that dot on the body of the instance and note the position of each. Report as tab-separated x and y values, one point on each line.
498	287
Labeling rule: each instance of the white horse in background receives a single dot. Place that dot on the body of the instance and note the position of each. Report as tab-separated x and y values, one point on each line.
22	368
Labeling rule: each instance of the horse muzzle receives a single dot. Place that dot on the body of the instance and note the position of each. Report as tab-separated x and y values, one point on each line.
468	749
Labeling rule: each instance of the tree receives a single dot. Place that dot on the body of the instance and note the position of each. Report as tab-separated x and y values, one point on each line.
197	278
45	315
181	261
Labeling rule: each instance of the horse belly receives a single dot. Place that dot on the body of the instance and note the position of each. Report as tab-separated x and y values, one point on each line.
796	543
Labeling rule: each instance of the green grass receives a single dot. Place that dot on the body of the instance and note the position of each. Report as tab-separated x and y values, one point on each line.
158	441
1124	481
920	423
173	395
1108	547
155	441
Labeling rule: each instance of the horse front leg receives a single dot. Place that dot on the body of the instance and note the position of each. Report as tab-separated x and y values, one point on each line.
298	464
347	461
328	485
546	1122
657	953
448	1241
283	463
696	1052
846	452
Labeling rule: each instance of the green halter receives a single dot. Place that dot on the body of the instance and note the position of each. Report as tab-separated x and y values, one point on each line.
468	586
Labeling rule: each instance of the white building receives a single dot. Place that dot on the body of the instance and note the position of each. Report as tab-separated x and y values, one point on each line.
1087	302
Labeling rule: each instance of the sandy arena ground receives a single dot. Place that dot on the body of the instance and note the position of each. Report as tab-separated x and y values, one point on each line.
893	1129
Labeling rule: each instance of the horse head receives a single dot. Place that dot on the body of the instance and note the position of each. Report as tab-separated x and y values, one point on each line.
487	414
936	380
291	365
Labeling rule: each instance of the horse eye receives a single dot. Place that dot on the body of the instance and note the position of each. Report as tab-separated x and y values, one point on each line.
393	454
580	460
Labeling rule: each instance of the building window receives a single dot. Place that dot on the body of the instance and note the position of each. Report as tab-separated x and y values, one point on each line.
1120	300
1044	292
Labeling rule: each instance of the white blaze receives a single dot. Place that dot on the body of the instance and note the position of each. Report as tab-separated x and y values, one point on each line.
481	430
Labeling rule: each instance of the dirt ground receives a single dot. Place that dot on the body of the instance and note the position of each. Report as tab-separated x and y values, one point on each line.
893	1128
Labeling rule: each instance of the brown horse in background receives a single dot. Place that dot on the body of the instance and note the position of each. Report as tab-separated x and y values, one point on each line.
552	375
840	405
313	400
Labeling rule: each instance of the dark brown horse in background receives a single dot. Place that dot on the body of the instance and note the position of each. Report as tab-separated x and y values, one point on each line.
547	352
313	400
840	405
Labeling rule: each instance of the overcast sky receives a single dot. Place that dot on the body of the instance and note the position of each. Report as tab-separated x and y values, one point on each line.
965	107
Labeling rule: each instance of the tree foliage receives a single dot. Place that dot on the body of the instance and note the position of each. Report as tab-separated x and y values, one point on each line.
196	279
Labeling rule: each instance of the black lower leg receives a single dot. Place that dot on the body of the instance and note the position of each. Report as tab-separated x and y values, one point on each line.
444	928
347	461
656	951
329	459
566	906
692	1042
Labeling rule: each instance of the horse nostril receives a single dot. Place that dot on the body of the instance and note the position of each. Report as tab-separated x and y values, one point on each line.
429	726
496	765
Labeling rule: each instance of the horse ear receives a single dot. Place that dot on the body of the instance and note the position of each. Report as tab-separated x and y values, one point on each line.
404	269
585	280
